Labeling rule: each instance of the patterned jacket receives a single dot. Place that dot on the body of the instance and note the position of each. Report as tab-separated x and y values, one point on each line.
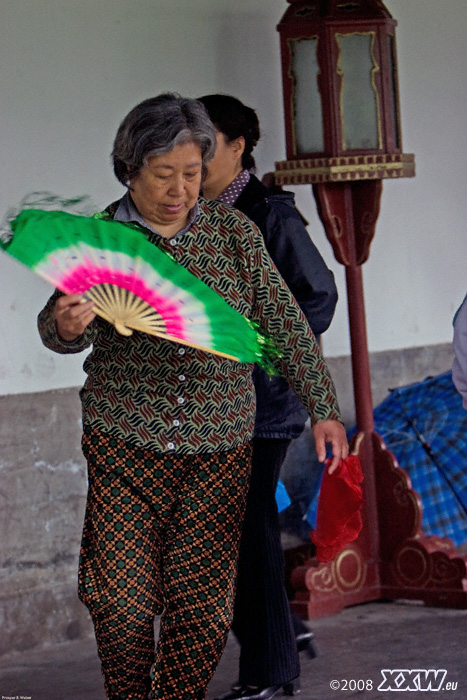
279	413
170	398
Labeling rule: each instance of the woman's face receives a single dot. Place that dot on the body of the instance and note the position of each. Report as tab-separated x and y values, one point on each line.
167	188
225	166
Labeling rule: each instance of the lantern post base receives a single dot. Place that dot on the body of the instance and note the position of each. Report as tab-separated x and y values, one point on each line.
411	565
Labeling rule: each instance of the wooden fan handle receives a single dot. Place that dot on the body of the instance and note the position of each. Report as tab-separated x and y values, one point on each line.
122	328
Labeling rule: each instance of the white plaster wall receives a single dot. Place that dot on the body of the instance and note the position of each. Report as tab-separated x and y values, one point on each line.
70	71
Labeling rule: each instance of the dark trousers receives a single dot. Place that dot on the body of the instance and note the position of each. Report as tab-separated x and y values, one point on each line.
262	619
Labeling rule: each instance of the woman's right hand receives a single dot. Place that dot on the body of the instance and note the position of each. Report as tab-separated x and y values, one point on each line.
72	315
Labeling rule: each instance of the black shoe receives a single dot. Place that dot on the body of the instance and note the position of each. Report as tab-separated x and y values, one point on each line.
274	691
236	692
306	642
242	692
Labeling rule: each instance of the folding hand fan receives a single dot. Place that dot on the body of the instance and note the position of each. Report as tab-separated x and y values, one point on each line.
133	284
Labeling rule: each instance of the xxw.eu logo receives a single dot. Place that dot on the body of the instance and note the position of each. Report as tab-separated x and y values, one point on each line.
415	679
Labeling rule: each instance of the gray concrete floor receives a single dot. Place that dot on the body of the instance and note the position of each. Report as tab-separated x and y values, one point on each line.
355	645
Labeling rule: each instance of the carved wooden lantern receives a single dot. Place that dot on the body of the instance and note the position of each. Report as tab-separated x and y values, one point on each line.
343	137
341	107
341	99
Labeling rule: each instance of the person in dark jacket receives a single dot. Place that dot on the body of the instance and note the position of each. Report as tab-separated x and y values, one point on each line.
270	636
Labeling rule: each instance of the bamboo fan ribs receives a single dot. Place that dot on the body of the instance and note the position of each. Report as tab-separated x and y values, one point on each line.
125	310
133	284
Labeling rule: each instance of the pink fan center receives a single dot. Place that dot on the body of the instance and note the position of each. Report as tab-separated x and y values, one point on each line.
82	277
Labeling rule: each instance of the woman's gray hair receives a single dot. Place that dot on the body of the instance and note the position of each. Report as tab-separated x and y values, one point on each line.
154	127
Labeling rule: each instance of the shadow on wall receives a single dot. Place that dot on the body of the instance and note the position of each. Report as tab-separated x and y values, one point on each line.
43	491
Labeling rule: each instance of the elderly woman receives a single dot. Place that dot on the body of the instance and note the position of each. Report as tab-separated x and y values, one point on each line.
167	429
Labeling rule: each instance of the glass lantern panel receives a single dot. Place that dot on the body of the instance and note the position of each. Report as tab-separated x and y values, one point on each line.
307	109
393	92
359	103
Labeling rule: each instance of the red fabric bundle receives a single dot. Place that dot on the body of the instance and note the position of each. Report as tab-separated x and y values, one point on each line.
338	519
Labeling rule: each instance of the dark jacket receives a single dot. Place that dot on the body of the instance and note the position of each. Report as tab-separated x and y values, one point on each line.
279	413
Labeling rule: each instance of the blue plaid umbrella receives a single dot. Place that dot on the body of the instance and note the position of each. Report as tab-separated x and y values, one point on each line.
425	426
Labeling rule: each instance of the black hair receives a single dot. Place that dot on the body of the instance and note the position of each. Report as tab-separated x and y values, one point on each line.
233	119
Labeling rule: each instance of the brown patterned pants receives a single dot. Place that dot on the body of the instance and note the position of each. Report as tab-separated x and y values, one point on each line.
161	536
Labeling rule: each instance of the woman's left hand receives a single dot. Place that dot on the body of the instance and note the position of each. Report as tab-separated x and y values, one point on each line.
334	432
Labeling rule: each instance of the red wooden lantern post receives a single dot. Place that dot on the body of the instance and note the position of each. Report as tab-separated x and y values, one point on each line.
342	125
